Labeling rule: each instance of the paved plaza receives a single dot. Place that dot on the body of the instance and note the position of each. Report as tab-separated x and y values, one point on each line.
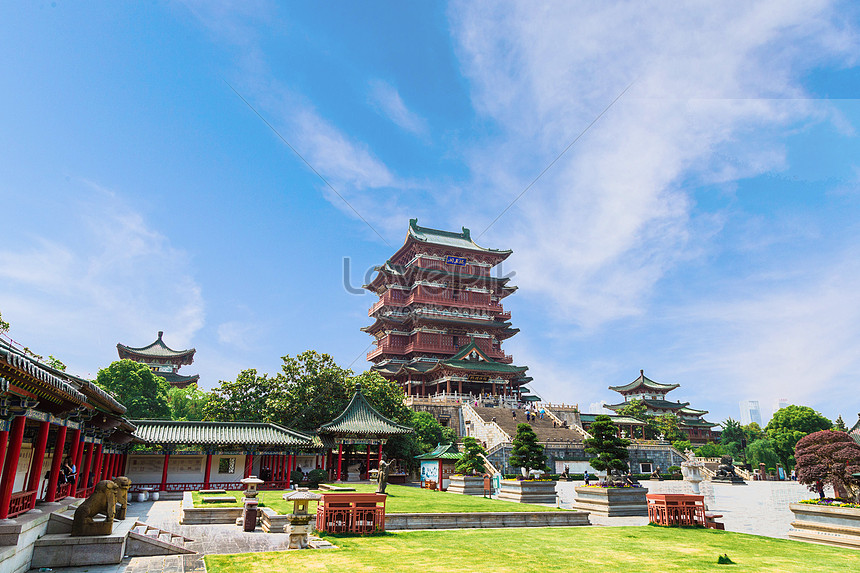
759	508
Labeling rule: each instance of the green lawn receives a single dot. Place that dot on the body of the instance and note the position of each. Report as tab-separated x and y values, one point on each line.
401	499
567	549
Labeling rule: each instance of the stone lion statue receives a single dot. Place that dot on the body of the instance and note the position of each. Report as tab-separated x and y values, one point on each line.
726	467
103	501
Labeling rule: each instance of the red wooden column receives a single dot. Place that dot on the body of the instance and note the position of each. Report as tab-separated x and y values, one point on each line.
367	460
249	465
208	471
288	477
75	451
379	457
282	468
439	484
59	447
97	464
339	459
10	466
107	460
84	470
163	486
39	447
4	440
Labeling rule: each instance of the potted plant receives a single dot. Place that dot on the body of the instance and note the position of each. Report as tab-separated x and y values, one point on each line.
828	458
470	469
614	495
528	455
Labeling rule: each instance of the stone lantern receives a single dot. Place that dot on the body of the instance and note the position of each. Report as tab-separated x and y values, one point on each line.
298	521
248	521
692	471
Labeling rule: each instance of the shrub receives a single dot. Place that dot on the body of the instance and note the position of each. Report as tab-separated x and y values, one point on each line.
471	461
317	476
673	469
527	452
297	476
830	457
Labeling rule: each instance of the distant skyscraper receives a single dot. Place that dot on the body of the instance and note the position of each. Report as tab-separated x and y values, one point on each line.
750	412
780	404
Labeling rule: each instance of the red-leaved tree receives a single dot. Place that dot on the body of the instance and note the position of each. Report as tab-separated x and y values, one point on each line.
830	457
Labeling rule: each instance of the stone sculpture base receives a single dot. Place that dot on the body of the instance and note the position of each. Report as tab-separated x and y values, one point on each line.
298	528
732	480
612	502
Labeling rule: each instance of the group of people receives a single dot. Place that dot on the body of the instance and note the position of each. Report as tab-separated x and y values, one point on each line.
68	472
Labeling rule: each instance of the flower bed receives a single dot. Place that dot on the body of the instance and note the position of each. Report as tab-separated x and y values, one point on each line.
528	491
468	485
833	524
832	502
612	501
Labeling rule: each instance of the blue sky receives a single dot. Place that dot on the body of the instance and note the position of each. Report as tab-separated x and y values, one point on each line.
704	229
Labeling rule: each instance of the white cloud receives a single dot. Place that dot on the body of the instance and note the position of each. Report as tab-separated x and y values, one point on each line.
120	281
387	99
605	224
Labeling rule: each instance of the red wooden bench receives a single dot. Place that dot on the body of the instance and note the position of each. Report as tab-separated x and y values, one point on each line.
677	509
351	512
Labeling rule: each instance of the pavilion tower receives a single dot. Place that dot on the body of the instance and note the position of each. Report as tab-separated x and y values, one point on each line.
162	360
439	322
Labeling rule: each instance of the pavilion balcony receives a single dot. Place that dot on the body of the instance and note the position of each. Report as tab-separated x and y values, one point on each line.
446	346
437	295
433	264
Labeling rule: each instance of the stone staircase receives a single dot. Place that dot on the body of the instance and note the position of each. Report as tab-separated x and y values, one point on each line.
147	540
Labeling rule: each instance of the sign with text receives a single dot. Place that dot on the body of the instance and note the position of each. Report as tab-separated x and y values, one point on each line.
479	378
459	261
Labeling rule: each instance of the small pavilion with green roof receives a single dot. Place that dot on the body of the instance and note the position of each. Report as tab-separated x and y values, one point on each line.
438	465
359	424
162	360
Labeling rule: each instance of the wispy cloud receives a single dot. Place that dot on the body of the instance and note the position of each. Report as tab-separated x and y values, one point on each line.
121	281
387	99
605	225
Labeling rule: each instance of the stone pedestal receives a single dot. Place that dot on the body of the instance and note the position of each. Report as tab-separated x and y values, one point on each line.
729	479
468	485
826	524
612	501
525	491
298	527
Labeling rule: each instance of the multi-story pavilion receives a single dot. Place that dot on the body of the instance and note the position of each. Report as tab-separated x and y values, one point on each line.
162	360
653	395
439	322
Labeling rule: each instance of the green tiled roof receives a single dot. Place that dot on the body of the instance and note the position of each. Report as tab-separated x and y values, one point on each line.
171	432
854	432
462	240
644	383
361	418
157	349
173	378
657	404
697	423
442	452
692	411
589	418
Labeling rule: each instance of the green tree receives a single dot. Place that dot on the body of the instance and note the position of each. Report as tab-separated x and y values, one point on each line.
187	403
670	426
609	451
56	363
4	326
788	425
136	387
761	452
240	400
471	462
839	424
754	432
429	433
527	453
710	450
682	445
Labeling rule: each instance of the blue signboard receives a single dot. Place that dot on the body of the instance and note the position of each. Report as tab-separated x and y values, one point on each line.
451	260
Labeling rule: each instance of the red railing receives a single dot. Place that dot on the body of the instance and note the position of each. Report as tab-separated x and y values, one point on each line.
63	490
84	491
351	513
22	502
436	295
189	486
446	346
